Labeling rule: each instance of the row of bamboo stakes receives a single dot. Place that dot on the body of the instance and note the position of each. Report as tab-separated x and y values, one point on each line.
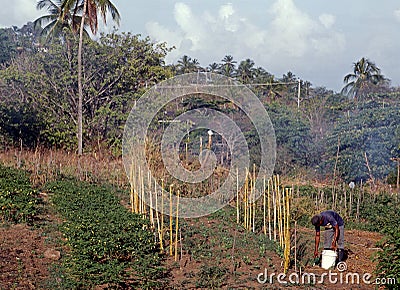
275	207
138	199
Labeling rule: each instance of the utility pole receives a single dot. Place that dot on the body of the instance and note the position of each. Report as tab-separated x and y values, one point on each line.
298	94
210	133
397	159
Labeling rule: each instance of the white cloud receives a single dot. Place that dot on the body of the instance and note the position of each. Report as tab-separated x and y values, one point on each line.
160	32
193	29
290	29
397	14
18	13
285	39
226	13
323	45
327	20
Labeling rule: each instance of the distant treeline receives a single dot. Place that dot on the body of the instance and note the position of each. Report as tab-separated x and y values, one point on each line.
319	132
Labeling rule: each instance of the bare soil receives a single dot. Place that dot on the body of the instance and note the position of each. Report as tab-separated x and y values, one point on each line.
23	263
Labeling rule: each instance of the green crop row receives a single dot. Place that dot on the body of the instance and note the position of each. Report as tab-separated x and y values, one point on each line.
18	200
109	245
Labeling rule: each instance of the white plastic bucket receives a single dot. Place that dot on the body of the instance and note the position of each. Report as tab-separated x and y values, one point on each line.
328	259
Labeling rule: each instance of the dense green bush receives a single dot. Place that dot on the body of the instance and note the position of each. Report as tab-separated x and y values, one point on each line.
380	213
384	214
371	129
109	245
389	258
294	140
20	123
18	200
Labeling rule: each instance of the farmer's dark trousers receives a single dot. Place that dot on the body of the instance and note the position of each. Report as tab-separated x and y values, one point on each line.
328	236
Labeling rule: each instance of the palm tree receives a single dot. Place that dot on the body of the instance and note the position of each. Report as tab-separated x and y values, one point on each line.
228	66
87	12
57	19
262	76
90	12
365	75
186	65
246	71
213	67
289	77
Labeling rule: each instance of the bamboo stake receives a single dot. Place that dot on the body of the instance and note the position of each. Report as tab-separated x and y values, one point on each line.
162	213
345	200
142	201
254	198
264	208
336	197
287	233
250	202
186	150
280	224
237	197
136	193
295	246
180	243
176	227
170	220
351	202
158	220
245	200
283	220
150	201
275	207
323	198
248	196
132	187
254	214
269	209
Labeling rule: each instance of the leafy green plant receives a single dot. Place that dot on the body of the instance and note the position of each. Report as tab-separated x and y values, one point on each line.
18	200
211	277
109	245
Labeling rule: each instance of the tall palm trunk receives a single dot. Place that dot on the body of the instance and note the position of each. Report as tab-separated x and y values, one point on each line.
80	89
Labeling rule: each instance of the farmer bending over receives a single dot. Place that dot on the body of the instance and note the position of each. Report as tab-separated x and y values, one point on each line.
334	232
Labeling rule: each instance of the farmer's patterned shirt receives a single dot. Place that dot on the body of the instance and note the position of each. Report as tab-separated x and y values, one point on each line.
331	219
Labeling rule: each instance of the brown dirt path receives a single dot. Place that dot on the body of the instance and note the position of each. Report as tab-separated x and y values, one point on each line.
25	256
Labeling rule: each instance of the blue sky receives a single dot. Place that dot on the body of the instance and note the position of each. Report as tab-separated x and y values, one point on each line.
315	39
